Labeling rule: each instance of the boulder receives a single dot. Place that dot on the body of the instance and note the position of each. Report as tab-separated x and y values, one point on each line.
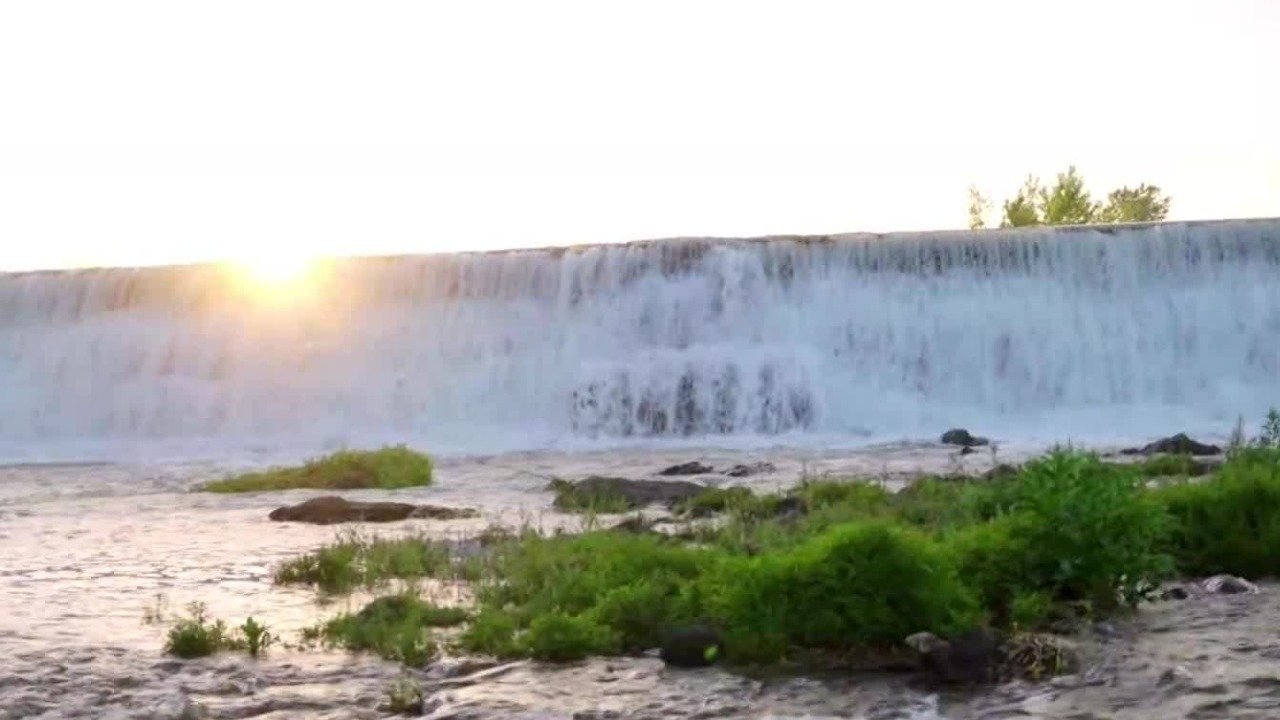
692	646
1215	585
633	493
962	437
968	658
752	469
1178	444
331	510
693	467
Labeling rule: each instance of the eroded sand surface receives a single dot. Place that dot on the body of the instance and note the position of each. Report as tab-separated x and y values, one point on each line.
85	550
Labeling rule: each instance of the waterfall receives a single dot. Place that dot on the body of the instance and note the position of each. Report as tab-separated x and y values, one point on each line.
1101	331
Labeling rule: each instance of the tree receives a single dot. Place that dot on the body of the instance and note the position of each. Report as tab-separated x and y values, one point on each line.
1068	202
1024	210
1141	204
978	207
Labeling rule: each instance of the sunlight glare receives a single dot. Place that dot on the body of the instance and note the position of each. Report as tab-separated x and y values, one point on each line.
282	274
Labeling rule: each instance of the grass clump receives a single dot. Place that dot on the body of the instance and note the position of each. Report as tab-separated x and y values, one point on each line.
354	561
388	468
395	627
197	635
631	585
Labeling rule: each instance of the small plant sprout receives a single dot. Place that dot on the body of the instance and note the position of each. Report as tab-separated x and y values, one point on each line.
256	637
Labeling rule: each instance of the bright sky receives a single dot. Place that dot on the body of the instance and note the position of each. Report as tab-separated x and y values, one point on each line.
155	132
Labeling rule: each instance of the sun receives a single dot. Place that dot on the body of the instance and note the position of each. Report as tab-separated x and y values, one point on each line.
276	274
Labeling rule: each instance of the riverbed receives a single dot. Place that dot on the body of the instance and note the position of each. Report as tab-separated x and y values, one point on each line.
87	551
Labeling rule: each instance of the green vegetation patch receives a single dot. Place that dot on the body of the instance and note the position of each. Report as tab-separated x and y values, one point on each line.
354	561
386	469
395	627
1229	523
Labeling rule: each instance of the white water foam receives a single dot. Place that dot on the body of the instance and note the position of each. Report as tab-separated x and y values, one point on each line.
1026	335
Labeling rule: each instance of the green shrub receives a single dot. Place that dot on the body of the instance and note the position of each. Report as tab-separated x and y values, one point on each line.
1090	531
387	469
197	636
395	627
557	637
492	632
1229	523
354	561
861	584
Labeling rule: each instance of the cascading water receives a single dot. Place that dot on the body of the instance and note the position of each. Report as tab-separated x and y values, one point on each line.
1045	333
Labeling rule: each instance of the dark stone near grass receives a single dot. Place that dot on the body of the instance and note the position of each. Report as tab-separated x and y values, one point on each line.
331	510
962	437
632	494
1000	472
692	467
1178	444
636	524
1215	585
968	658
692	646
752	469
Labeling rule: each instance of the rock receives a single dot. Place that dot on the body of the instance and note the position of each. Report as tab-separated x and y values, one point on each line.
633	493
748	470
961	437
1215	585
967	658
1228	585
635	524
692	467
691	646
1000	472
1176	677
331	509
1178	444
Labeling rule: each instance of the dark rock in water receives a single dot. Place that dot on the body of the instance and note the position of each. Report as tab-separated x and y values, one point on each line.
331	510
1179	444
692	467
1215	585
1000	472
967	658
631	493
961	437
1228	585
635	524
748	470
967	450
692	646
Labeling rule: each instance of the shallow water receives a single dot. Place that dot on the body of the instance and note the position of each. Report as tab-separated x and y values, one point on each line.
86	550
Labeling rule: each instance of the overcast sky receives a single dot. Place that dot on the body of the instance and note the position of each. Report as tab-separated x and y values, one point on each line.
155	132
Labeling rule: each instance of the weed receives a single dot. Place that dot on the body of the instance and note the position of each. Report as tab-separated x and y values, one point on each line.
355	561
256	637
197	636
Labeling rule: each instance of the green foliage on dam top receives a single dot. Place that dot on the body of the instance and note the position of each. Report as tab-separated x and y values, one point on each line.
394	627
388	468
847	568
1068	202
